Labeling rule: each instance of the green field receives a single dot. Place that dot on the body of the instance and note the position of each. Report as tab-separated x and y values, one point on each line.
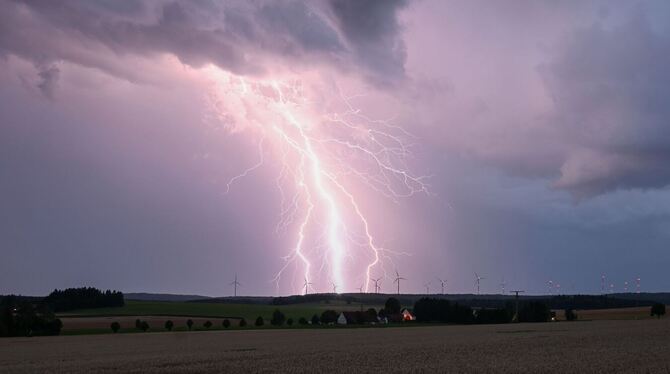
248	311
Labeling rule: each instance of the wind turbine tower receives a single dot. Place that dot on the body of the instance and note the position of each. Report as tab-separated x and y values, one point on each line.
235	283
397	279
442	283
377	288
334	287
478	280
637	285
427	285
307	285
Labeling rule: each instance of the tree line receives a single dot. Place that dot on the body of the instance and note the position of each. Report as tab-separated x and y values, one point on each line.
83	298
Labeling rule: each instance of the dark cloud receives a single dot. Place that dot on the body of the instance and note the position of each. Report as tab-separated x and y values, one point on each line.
611	89
372	29
241	37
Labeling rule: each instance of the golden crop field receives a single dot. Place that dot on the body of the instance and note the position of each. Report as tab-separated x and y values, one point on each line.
632	346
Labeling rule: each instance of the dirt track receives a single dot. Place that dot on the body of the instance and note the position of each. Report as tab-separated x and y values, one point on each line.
581	347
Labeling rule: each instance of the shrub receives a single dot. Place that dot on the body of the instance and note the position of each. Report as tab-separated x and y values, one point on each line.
392	306
226	323
570	315
207	324
289	321
144	326
169	325
302	321
492	316
138	324
189	324
534	311
278	318
259	321
243	322
115	326
329	316
658	310
315	320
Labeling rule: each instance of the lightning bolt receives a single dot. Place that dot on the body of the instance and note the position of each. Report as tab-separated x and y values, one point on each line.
320	156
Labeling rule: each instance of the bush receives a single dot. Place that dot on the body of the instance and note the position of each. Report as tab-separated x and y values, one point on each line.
440	310
226	323
302	321
329	316
169	325
485	316
138	324
259	321
289	321
115	326
658	310
278	318
392	306
315	320
189	324
207	324
243	322
570	315
144	326
534	311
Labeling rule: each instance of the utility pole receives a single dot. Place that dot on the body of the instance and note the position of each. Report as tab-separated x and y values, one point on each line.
516	298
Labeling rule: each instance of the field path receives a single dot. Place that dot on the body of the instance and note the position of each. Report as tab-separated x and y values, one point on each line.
579	347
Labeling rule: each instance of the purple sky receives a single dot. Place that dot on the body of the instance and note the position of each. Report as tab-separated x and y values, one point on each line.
543	127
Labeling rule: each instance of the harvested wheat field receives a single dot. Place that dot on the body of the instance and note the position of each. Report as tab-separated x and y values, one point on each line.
582	347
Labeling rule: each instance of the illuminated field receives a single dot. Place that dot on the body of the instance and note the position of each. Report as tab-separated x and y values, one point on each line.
582	347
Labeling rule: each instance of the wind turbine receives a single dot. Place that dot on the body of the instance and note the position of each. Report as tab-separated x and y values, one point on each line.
442	283
377	288
427	285
625	286
307	285
502	285
550	285
397	279
235	283
637	285
478	280
602	283
360	289
334	287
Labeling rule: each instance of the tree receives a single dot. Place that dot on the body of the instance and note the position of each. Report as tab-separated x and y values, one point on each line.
315	320
115	327
144	326
302	321
278	318
658	310
329	316
169	325
392	306
226	323
207	324
289	321
534	311
570	315
259	321
189	324
243	322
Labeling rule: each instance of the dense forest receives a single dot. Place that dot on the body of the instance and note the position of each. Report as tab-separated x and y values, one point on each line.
83	298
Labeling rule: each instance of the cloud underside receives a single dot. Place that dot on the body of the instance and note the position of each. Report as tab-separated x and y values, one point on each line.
241	37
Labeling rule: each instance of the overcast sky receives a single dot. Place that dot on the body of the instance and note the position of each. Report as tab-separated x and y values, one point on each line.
542	126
